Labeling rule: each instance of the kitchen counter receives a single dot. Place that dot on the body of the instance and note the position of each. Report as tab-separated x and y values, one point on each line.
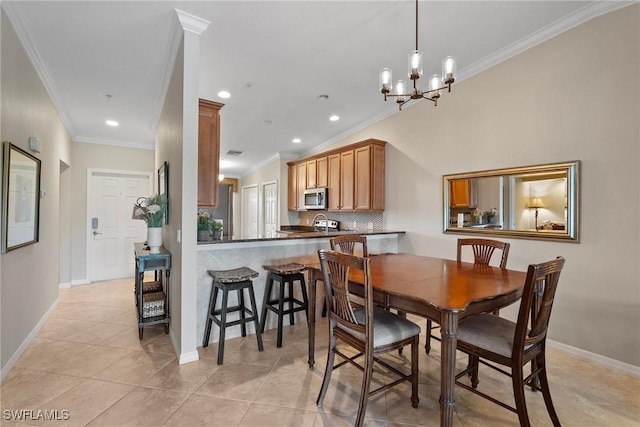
285	248
296	235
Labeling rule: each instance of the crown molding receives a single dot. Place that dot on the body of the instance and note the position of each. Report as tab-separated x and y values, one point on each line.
114	143
191	22
580	16
17	19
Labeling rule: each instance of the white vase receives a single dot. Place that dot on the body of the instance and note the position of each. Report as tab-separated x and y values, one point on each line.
154	239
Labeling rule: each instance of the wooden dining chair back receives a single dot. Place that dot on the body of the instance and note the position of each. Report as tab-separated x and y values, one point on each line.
483	250
351	244
369	330
491	340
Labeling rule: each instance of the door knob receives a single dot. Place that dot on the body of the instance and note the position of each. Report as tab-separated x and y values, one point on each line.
95	233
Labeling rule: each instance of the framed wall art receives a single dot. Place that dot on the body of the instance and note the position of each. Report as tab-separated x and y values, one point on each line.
163	188
20	197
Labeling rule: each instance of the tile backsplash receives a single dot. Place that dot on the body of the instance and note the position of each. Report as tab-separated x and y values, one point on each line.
361	221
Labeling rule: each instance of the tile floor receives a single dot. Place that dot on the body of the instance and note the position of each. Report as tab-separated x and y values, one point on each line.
87	360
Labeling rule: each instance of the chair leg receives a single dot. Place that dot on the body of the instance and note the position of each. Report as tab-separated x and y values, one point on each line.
364	392
474	361
546	393
324	308
254	310
280	311
427	344
292	319
243	314
517	379
414	372
212	306
328	368
305	298
223	325
265	302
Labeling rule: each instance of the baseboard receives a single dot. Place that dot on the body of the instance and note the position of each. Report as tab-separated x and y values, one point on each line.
188	357
13	359
596	358
79	282
64	285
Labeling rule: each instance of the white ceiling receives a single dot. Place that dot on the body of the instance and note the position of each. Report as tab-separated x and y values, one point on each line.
275	57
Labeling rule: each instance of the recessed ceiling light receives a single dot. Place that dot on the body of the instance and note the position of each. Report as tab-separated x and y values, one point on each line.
334	118
112	123
322	97
224	94
296	140
267	122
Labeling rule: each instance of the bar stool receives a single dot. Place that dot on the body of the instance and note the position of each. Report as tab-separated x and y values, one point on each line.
285	274
231	280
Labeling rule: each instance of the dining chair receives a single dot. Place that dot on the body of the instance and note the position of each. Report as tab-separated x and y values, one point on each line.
370	330
483	250
352	244
493	341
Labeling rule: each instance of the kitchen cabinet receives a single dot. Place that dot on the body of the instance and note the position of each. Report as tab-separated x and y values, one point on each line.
463	193
292	190
333	181
301	173
354	176
208	152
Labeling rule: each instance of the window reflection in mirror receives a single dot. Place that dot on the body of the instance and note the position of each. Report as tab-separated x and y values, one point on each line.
536	202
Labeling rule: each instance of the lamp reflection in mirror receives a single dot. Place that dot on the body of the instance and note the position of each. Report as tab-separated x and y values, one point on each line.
536	203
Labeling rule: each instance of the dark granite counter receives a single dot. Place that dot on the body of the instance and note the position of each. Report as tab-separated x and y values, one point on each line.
297	235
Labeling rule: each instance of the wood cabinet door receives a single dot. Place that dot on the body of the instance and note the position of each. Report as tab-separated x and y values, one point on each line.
347	175
311	174
322	172
377	177
333	182
301	184
362	183
208	152
292	188
460	193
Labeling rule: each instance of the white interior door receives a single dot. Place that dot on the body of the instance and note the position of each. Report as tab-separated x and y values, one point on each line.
113	232
250	212
270	200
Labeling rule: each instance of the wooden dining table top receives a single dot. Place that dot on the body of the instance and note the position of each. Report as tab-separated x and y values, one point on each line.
445	284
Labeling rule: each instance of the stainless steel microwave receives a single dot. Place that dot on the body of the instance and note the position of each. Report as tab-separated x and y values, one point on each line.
315	198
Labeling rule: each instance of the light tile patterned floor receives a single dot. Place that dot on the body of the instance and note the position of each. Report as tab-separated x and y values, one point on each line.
87	360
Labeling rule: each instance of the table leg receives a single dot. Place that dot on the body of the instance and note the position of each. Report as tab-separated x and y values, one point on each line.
448	343
311	320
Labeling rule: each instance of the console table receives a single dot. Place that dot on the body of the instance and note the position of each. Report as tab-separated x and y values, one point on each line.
152	296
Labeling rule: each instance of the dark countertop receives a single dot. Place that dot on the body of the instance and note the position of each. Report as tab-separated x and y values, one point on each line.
298	235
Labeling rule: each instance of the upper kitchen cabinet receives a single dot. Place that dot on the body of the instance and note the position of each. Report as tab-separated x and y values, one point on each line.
463	193
354	176
208	152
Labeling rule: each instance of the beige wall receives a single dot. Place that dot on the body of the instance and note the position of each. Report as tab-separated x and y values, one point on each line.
96	156
574	97
29	275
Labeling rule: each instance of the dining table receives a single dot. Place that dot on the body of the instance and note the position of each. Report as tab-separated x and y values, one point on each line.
442	290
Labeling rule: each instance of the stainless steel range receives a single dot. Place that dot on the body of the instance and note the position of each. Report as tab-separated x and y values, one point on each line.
326	225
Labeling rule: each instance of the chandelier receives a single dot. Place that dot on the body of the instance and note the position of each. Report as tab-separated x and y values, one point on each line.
436	83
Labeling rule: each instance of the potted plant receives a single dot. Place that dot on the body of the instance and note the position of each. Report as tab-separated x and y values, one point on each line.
477	216
491	215
151	209
204	225
216	227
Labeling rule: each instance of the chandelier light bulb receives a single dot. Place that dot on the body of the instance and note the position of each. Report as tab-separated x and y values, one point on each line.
434	84
415	65
400	91
386	80
448	70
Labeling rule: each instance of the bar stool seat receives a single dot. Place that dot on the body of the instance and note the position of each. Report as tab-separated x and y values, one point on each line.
284	274
237	279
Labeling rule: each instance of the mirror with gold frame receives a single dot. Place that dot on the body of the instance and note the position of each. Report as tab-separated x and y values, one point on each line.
529	202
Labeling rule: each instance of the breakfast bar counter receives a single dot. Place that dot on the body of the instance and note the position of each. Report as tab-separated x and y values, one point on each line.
301	248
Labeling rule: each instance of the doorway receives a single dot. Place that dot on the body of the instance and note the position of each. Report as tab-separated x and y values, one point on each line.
269	209
111	231
250	212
